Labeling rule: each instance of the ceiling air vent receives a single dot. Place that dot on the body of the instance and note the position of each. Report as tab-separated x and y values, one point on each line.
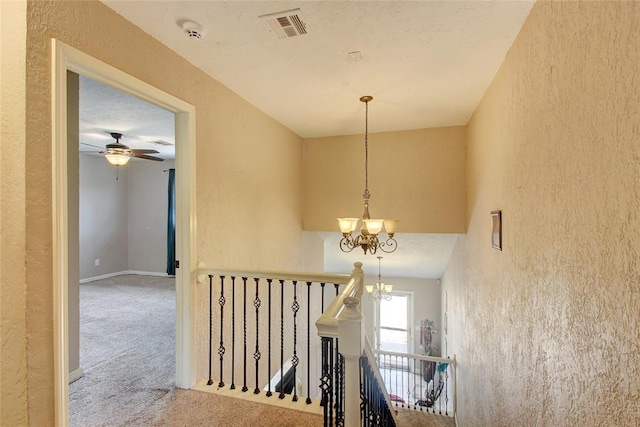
161	142
289	23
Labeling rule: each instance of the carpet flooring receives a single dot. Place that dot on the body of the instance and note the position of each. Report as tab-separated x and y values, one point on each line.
127	339
127	352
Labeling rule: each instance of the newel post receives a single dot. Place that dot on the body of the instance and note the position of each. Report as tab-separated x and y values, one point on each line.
351	344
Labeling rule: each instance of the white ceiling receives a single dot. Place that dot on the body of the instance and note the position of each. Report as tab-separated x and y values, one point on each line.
426	63
418	255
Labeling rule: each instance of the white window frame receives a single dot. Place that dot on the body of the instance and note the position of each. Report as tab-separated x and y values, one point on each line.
410	325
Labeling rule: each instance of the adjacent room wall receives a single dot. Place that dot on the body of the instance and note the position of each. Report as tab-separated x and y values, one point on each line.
73	184
417	176
147	212
104	221
548	330
249	173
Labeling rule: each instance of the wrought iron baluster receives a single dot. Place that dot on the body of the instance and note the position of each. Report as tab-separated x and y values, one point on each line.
395	366
423	365
446	390
210	329
308	401
294	359
337	285
336	376
363	400
431	396
439	400
233	333
375	397
322	297
221	349
366	406
339	389
269	393
256	354
387	359
326	381
244	334
281	395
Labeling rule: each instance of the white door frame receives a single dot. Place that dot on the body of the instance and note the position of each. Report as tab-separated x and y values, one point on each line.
65	57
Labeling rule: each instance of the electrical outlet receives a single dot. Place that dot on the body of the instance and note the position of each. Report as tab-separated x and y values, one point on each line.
97	262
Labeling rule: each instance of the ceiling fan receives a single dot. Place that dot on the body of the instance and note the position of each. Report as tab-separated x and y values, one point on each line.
119	154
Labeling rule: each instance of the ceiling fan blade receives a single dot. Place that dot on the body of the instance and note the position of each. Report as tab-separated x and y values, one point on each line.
144	156
91	145
143	151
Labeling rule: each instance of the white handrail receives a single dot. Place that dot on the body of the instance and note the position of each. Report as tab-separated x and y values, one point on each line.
416	356
369	352
339	279
327	324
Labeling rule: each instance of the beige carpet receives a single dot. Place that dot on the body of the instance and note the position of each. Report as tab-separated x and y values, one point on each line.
193	408
411	418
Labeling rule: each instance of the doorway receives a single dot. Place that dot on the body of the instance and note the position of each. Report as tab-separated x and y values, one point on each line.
66	58
118	360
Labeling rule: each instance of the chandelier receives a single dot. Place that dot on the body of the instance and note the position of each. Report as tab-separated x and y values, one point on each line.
380	290
368	237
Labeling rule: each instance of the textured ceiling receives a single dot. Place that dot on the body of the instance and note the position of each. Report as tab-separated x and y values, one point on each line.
418	255
426	63
104	109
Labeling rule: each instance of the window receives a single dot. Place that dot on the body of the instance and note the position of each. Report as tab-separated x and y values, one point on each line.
394	323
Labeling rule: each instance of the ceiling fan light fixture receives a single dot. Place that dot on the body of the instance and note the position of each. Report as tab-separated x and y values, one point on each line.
117	154
117	158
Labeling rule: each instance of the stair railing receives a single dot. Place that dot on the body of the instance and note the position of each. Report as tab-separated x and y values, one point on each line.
259	321
352	392
419	382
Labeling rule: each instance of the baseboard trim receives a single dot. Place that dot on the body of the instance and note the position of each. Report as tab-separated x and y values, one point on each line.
124	273
75	375
148	273
103	276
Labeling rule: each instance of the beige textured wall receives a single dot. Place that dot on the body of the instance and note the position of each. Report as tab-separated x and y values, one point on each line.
248	169
13	333
547	332
416	176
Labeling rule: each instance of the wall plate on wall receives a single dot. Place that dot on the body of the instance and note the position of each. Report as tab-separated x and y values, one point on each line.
496	230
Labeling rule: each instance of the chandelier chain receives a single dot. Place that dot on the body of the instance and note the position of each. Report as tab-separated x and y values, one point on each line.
366	150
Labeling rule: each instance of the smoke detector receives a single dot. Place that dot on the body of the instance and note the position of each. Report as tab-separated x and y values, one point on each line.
193	30
289	23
